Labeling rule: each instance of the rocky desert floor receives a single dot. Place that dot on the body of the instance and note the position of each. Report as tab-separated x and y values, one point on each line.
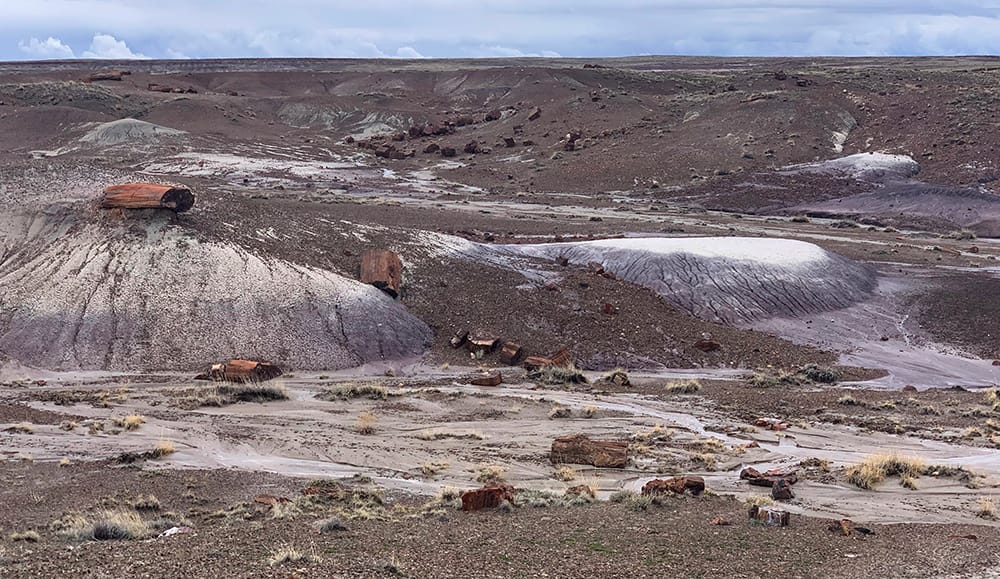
752	264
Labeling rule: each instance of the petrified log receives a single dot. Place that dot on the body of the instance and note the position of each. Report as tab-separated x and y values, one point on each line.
147	196
677	486
769	516
562	358
768	478
488	497
241	371
488	380
383	270
458	340
107	75
580	449
510	354
532	363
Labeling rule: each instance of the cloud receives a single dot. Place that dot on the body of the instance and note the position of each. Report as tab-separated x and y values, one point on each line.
45	49
408	52
105	46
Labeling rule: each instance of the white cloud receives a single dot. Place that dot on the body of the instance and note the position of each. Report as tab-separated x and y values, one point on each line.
44	49
176	54
408	52
105	46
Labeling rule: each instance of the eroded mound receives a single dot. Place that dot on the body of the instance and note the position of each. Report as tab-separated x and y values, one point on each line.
81	295
726	279
127	131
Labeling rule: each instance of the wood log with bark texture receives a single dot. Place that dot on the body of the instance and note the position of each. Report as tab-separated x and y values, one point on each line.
489	380
147	196
382	269
580	449
510	354
241	371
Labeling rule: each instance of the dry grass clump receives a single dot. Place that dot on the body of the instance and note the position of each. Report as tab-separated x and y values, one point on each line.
68	425
331	525
987	508
682	386
758	501
993	399
848	400
560	412
146	503
253	391
163	448
21	428
590	412
65	462
367	423
107	526
27	536
491	474
290	555
130	422
430	434
556	375
430	469
877	468
565	473
355	390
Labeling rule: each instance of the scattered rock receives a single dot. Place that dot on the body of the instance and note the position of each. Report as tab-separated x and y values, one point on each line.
707	345
448	151
493	115
494	379
432	148
720	522
678	485
534	114
781	490
769	516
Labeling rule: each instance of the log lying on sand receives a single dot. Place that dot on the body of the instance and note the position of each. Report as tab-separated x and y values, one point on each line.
241	371
383	270
579	449
147	196
488	497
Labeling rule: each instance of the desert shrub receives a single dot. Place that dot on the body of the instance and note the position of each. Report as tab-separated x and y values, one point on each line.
560	412
590	412
458	434
146	503
27	536
163	448
556	375
355	390
491	473
819	374
367	422
565	473
254	391
987	508
106	526
682	386
877	468
289	555
758	501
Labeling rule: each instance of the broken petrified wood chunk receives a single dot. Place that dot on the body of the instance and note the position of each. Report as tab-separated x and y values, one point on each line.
383	270
562	358
768	478
510	354
241	371
781	490
458	340
147	196
532	363
580	449
618	378
488	497
480	343
678	485
494	379
581	490
769	516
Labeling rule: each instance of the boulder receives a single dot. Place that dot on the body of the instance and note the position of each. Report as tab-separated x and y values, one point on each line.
488	497
534	113
494	379
471	147
768	478
493	115
580	449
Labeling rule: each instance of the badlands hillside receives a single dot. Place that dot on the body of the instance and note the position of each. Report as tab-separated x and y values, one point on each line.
710	267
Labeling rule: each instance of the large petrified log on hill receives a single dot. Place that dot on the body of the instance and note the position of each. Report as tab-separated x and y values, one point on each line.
383	270
147	196
579	449
241	371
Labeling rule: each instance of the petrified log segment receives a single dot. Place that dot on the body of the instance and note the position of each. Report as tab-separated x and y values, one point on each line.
488	497
383	270
769	516
511	353
694	484
147	196
580	449
241	371
488	380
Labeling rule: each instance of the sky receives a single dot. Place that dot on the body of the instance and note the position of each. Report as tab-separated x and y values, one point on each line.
139	29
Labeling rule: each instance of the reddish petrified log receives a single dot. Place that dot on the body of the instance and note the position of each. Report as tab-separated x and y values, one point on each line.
489	380
693	484
383	270
769	516
241	371
147	196
488	497
510	354
580	449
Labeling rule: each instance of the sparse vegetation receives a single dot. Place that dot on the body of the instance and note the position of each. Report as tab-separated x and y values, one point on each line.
758	501
682	386
458	434
491	473
68	425
590	412
987	508
107	526
432	468
253	391
877	468
815	373
146	503
21	428
368	390
367	423
558	375
560	412
163	448
565	473
993	399
848	400
962	235
130	422
331	525
65	462
27	536
289	555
